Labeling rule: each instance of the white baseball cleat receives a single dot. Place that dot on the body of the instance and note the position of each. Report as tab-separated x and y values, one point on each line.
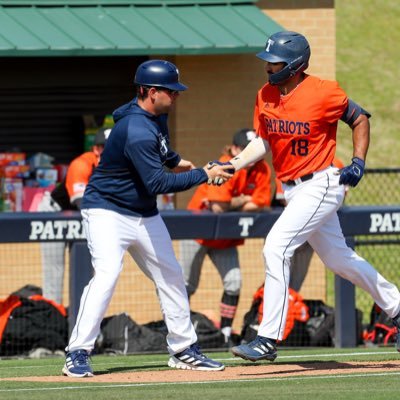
193	359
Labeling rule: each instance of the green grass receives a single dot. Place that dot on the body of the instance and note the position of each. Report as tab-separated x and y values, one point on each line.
371	384
368	61
355	388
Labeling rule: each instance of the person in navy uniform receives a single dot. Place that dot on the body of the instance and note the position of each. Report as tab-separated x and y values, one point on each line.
119	211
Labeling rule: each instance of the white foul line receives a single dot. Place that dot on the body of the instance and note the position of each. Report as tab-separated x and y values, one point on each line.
129	385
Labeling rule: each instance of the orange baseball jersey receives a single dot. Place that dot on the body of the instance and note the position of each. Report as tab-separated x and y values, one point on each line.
78	174
255	182
301	126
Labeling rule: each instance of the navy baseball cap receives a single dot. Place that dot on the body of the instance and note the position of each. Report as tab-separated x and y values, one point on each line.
243	137
101	136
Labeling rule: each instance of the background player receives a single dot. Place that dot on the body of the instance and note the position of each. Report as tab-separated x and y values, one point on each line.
67	196
248	190
296	117
119	211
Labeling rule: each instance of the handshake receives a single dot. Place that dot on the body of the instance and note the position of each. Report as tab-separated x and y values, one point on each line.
219	172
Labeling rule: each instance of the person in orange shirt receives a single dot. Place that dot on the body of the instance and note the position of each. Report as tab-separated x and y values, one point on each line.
67	196
296	117
248	190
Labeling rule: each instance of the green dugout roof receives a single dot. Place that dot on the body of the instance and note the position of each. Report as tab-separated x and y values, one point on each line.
103	28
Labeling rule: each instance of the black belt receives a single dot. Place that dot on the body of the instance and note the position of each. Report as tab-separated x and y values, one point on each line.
303	178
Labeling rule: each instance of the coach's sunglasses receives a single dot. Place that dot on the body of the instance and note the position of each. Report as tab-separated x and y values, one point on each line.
169	91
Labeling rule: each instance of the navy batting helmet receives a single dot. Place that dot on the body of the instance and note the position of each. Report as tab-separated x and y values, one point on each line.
291	48
159	73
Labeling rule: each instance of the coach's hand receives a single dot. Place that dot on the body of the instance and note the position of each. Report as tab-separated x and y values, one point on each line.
219	172
183	166
353	173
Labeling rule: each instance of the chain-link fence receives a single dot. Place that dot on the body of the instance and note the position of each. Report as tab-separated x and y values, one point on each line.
384	254
378	187
135	296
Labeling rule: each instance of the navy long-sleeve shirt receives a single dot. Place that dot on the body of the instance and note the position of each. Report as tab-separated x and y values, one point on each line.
131	171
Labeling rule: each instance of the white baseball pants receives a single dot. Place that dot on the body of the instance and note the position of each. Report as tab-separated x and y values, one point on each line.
109	235
311	215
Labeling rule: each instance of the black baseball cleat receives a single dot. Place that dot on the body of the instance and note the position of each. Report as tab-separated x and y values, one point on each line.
260	348
396	323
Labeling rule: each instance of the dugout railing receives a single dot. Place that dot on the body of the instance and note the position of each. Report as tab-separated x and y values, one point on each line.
364	221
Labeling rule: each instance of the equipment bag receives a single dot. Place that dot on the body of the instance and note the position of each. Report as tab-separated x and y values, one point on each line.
297	316
208	335
320	327
27	323
120	334
381	329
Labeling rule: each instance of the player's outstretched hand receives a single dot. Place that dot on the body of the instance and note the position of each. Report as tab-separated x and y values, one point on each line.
353	173
219	172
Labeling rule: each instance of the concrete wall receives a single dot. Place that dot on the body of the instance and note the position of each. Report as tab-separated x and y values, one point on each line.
219	102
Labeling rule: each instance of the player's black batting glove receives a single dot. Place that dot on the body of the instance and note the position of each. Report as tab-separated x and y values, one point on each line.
219	181
353	173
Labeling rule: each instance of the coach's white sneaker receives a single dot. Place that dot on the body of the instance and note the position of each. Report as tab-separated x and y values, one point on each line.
77	364
192	358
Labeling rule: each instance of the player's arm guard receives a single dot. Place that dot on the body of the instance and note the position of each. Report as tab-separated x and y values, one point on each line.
252	153
352	112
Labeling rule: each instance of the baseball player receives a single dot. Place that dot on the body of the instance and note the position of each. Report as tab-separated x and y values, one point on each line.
248	190
296	117
119	211
67	196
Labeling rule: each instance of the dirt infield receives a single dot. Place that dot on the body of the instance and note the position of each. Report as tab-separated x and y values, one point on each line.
232	373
